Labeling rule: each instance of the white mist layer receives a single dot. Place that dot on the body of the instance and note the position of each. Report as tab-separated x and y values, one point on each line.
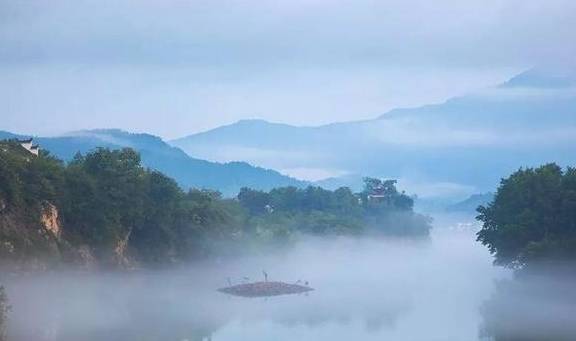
364	290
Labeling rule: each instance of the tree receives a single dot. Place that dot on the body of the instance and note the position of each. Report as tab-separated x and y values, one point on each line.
112	211
532	218
379	208
254	201
110	208
381	196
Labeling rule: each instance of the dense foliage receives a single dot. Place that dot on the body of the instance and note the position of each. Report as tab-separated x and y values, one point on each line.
104	207
380	208
532	218
110	209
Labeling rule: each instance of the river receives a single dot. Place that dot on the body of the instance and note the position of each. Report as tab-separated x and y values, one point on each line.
365	289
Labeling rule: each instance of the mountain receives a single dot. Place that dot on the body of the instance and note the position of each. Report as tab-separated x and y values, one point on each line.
471	203
451	149
539	78
155	153
4	135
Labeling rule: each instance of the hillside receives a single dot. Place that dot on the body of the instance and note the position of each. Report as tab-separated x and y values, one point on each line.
187	171
104	209
456	148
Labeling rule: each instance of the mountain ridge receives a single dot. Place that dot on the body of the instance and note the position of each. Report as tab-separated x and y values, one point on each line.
189	172
519	123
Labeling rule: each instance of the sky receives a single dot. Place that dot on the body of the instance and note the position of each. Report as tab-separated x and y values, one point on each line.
174	67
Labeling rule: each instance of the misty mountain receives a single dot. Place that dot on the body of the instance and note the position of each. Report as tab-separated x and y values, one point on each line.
539	78
155	153
451	149
471	203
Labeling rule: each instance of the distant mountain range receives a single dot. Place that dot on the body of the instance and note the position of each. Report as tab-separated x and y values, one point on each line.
452	149
187	171
443	152
471	203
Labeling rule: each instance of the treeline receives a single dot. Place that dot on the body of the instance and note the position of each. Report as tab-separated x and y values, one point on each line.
379	209
105	208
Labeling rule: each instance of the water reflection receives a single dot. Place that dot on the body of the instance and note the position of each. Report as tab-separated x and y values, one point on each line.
532	307
365	289
139	307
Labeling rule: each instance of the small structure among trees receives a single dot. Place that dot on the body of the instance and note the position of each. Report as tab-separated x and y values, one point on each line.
382	194
29	146
380	207
377	190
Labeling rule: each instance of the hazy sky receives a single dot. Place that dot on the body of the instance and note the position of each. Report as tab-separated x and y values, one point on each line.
172	67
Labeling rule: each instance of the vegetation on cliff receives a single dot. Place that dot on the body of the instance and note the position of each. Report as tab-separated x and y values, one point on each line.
105	208
111	210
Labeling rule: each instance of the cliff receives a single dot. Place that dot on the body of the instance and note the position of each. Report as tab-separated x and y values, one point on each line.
102	210
33	235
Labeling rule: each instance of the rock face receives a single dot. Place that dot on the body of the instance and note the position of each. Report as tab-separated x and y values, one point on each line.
120	258
265	289
49	219
25	244
85	257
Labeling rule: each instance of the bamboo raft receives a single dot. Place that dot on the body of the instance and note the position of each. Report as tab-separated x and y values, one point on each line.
264	289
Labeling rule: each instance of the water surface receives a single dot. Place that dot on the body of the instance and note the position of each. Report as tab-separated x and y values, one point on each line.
365	289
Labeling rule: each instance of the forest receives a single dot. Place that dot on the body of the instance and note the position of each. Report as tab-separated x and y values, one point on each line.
104	208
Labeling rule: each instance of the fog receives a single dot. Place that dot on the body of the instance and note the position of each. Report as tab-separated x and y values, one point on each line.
537	308
365	289
175	67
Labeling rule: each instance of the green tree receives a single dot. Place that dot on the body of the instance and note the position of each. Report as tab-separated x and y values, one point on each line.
109	205
380	196
379	208
254	201
532	218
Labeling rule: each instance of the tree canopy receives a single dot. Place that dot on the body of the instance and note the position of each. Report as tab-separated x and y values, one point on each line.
113	210
109	205
532	218
379	208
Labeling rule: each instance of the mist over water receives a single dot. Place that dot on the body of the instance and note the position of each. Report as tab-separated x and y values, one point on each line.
365	289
